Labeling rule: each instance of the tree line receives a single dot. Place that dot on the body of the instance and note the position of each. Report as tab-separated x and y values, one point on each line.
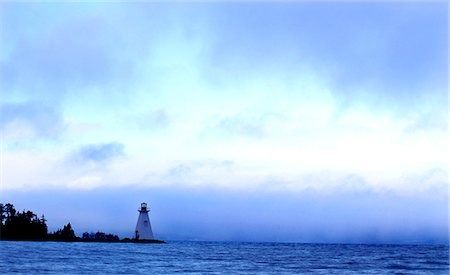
26	225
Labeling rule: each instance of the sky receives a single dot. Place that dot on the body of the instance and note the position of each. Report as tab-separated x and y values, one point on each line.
235	121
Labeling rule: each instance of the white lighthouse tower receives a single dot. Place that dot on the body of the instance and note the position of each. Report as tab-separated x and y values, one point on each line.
143	226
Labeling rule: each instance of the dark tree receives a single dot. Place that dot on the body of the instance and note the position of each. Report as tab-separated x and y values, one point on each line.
100	236
26	225
17	226
65	234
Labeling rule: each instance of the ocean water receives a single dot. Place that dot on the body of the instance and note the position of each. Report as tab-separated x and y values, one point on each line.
220	258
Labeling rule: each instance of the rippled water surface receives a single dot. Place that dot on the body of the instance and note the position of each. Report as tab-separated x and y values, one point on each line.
220	257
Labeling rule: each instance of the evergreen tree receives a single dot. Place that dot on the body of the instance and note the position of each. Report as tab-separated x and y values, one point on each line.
17	226
65	234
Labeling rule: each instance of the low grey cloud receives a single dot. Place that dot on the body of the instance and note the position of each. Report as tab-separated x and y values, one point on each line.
98	153
378	58
154	120
62	55
433	120
255	125
41	120
72	53
184	169
241	126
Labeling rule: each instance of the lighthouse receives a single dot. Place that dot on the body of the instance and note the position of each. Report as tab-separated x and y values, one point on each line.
143	226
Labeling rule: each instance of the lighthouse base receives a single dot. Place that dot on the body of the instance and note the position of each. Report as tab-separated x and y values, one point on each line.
147	241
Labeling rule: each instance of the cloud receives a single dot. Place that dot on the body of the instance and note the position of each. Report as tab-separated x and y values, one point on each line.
98	153
73	51
86	55
264	123
30	119
204	172
129	70
154	120
242	127
431	120
378	58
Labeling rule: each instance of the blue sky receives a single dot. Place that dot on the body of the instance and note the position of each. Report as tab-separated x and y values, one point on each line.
292	121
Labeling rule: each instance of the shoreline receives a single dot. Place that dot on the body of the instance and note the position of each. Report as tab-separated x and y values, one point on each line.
84	241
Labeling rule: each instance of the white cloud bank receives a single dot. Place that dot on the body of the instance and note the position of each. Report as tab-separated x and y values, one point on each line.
184	89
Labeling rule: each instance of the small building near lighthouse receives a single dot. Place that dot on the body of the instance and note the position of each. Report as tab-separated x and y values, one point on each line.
143	227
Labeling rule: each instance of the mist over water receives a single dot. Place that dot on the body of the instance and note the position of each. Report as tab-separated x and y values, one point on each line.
182	213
